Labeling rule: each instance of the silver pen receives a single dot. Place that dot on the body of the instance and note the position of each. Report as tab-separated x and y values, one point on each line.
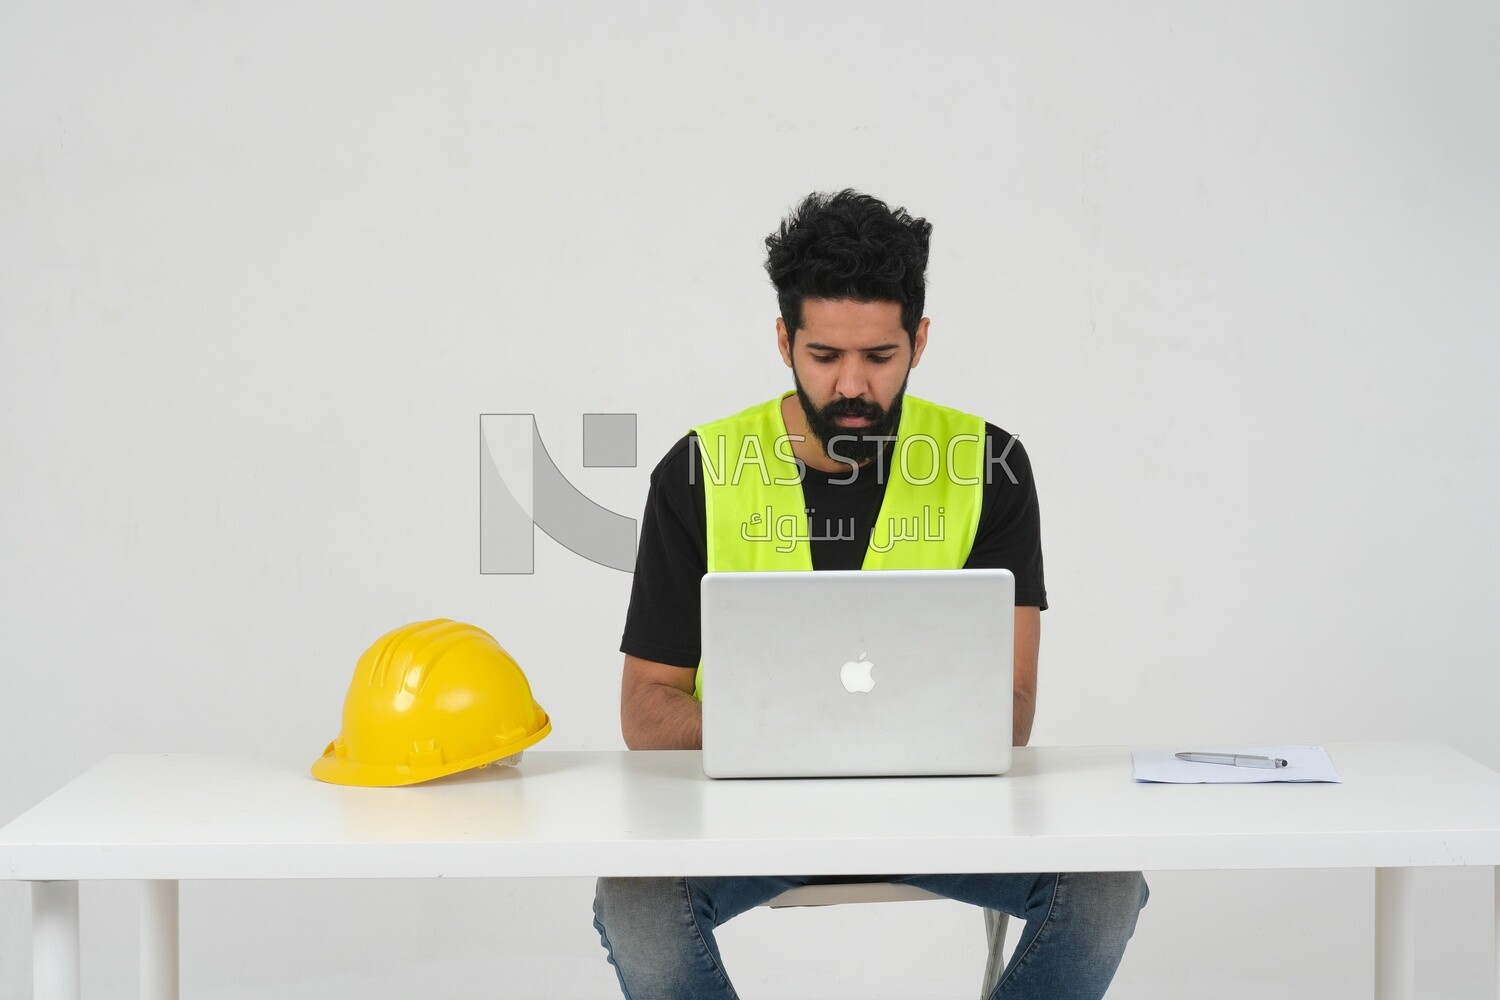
1234	759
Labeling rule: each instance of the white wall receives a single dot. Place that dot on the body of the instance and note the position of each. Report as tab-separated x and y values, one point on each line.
1229	269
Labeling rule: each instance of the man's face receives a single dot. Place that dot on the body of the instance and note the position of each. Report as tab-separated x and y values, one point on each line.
849	362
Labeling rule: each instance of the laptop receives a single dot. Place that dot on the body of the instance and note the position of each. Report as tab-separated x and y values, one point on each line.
848	673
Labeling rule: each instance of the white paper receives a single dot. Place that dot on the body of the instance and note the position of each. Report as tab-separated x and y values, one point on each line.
1303	763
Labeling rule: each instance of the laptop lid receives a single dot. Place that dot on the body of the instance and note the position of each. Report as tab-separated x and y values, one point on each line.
844	673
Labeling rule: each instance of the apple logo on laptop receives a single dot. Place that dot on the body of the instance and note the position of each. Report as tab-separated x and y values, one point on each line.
856	675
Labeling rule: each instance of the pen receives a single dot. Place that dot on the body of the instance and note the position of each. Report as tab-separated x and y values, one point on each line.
1235	759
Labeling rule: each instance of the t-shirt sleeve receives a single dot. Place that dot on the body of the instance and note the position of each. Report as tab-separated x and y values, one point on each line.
662	623
1010	526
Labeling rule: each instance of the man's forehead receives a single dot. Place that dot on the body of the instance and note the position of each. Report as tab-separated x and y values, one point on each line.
848	323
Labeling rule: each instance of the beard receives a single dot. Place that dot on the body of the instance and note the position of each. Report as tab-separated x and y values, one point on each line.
853	444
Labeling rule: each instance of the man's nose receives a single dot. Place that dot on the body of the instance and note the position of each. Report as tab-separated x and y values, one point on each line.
852	380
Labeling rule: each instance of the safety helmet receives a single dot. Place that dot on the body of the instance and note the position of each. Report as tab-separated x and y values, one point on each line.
429	699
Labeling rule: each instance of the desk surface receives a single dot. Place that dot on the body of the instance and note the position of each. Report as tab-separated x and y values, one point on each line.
201	816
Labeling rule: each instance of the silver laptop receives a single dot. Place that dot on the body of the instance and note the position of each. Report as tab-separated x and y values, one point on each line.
843	673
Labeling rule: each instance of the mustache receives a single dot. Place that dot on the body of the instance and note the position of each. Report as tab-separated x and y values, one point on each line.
853	408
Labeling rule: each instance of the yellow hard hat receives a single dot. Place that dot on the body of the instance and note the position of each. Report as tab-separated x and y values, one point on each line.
429	699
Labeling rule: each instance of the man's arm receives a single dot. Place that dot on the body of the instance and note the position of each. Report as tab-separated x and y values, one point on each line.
657	707
1028	642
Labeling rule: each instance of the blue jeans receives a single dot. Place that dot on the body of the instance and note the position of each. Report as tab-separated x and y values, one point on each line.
659	932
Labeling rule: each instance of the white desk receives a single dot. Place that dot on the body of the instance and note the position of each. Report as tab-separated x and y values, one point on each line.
162	818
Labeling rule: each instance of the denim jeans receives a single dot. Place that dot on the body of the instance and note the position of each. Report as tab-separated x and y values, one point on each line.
659	932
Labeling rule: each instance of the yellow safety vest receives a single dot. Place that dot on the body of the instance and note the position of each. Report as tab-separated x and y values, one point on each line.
757	516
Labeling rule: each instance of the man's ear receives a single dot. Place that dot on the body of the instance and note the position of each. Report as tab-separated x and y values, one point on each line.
783	341
919	343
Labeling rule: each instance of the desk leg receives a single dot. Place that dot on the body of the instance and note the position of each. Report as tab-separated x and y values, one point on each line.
159	938
54	940
1395	934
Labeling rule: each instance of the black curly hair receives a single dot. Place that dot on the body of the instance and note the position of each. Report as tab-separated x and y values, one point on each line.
849	246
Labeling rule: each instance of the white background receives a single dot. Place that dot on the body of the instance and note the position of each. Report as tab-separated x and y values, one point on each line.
1228	269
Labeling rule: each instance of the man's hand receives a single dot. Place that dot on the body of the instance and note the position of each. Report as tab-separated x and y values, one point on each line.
1028	643
657	707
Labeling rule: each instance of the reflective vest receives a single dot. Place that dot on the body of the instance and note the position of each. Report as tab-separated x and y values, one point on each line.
757	517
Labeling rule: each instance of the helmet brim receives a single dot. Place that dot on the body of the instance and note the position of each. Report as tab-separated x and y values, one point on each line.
343	771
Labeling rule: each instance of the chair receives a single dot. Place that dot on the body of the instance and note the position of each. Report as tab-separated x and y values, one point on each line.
834	893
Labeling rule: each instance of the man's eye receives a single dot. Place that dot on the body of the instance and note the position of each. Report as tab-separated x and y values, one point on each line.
823	359
881	359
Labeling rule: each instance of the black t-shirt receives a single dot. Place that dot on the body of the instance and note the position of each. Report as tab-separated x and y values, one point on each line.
663	621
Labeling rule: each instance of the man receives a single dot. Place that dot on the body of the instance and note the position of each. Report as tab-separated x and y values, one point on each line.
849	274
